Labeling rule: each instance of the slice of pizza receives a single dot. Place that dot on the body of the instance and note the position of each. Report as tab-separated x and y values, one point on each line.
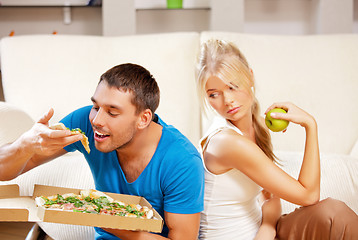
84	141
95	194
65	202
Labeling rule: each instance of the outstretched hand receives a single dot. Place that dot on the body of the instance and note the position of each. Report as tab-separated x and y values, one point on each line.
294	114
45	141
46	117
38	145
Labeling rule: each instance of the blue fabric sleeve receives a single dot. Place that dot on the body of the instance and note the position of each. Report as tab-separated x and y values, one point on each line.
184	185
78	119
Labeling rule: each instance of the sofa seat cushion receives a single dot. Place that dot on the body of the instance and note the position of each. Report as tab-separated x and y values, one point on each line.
62	71
339	177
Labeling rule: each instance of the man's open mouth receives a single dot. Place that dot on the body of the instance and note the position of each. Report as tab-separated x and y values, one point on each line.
99	135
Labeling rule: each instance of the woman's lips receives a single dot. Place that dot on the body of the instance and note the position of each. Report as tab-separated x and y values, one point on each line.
233	110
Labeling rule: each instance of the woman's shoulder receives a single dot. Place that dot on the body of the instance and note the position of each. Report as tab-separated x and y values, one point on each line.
225	150
227	140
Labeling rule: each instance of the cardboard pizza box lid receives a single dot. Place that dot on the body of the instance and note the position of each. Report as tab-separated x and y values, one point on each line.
16	208
11	190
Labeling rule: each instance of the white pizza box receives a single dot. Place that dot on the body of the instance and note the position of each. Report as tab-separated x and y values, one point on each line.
13	207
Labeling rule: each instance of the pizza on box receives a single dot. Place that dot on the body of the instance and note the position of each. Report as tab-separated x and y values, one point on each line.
84	141
93	201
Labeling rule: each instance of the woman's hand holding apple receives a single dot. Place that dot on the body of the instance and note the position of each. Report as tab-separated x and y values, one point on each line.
278	115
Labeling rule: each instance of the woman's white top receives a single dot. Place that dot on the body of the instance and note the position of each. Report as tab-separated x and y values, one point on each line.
231	207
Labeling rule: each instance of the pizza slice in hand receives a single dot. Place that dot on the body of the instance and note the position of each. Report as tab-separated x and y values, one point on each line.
84	141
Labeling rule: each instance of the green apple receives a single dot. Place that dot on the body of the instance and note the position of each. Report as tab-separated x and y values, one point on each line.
276	125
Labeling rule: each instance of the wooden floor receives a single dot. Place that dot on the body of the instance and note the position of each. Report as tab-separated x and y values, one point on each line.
14	230
20	230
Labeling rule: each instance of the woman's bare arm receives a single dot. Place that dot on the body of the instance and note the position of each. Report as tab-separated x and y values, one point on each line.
233	150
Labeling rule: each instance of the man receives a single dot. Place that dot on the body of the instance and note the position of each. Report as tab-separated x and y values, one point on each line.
132	152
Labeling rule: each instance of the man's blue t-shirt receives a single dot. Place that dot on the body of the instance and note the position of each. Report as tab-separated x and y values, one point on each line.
173	180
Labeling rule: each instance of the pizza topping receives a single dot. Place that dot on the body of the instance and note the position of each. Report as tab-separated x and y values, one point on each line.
93	201
84	141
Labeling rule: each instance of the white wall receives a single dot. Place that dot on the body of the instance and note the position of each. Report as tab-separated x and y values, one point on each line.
46	20
161	20
261	16
279	17
355	16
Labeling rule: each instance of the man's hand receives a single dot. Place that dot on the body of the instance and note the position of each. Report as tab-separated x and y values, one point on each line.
38	145
41	140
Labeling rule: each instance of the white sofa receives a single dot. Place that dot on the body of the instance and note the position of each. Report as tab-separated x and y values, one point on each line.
318	73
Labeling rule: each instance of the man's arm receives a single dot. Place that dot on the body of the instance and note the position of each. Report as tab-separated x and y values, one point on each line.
181	227
33	148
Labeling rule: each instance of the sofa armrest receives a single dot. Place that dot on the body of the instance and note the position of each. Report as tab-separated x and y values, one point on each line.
354	151
13	122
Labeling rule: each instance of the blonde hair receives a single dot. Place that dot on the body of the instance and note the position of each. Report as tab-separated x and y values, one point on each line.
225	61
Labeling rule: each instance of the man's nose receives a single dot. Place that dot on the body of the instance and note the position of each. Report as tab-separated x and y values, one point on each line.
98	118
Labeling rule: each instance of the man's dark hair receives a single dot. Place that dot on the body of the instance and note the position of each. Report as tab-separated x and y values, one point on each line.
137	80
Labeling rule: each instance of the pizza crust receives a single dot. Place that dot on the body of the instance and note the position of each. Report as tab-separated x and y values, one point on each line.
84	141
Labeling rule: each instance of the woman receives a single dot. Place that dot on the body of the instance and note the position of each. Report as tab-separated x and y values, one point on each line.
239	161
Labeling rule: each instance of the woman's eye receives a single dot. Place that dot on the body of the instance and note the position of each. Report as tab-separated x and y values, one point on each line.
233	86
213	95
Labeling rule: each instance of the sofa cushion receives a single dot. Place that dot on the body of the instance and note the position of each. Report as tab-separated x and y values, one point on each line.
318	73
354	152
339	177
43	71
13	122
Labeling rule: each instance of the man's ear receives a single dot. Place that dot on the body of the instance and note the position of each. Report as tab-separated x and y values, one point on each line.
145	117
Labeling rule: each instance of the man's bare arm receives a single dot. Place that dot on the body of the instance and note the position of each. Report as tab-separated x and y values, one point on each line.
38	145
